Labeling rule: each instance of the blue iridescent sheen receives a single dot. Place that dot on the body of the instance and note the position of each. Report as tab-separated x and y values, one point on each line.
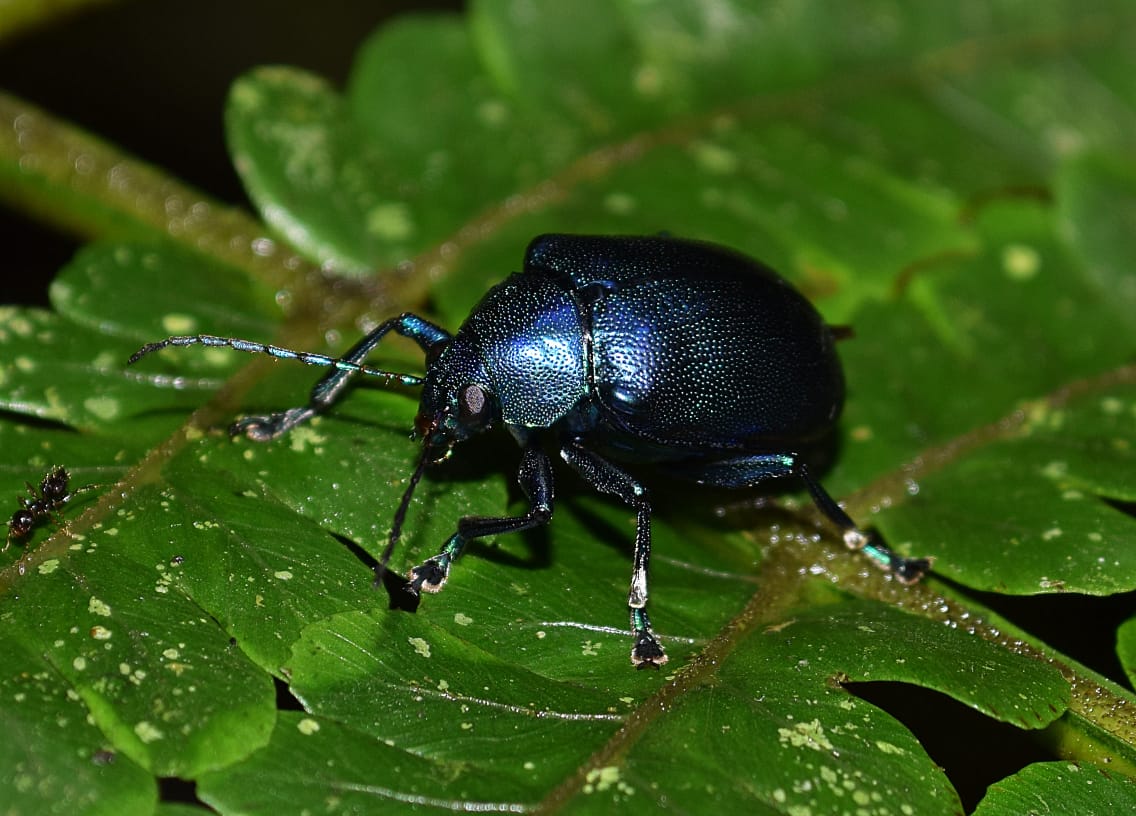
614	350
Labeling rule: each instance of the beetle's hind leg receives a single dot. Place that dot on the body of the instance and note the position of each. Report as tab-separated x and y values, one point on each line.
607	478
907	570
747	471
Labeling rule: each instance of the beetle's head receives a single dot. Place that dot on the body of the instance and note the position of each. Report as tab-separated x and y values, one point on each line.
456	401
454	406
465	412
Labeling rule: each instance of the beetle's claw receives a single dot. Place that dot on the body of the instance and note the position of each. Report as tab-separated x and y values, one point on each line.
647	652
256	428
910	570
431	574
266	427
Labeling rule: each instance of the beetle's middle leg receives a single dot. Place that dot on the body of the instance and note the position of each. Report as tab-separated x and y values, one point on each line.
607	478
535	478
746	471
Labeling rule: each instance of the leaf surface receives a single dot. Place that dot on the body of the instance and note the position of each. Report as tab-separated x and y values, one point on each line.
954	184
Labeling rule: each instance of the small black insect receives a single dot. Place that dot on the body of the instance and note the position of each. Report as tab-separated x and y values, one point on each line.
54	492
612	349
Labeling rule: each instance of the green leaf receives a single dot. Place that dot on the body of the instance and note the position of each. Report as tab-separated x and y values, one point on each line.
59	761
1028	514
1060	787
954	185
68	365
1097	199
469	721
1126	647
159	679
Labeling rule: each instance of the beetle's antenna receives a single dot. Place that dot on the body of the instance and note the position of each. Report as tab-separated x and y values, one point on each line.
399	517
277	352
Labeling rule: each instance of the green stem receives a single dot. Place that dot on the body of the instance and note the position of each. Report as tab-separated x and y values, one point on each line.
69	178
19	16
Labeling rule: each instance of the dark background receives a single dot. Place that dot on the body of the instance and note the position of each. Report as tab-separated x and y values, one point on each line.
151	77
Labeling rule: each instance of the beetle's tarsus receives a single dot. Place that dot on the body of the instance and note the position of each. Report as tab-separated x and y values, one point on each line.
911	570
905	570
647	652
266	427
431	574
258	428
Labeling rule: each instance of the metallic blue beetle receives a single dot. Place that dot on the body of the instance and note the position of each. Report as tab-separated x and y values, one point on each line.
614	350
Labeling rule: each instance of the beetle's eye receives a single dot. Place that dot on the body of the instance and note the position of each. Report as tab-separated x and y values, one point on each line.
473	405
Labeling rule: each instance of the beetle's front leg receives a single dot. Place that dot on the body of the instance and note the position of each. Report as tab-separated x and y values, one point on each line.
535	478
331	385
607	478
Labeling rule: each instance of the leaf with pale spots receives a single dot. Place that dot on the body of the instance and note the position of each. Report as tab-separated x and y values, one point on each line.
1060	787
957	187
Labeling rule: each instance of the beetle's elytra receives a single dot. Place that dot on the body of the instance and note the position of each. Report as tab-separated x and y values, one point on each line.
615	350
